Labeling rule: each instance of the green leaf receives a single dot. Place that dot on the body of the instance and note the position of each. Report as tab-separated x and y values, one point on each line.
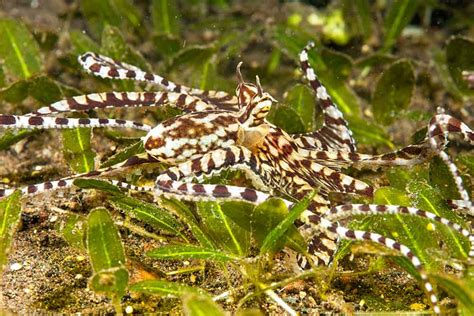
301	99
128	11
45	89
103	241
106	254
165	17
393	92
444	75
164	288
200	305
185	252
459	58
339	63
41	88
208	75
460	289
18	49
286	118
466	159
357	13
370	134
16	92
77	149
274	61
148	213
427	198
166	44
199	62
376	59
240	212
10	138
74	230
401	227
96	184
224	232
399	14
271	241
188	217
132	150
442	179
82	43
10	211
262	219
109	12
292	40
121	137
114	45
399	177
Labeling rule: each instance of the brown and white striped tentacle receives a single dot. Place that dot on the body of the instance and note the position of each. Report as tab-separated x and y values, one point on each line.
345	233
108	68
39	188
45	122
461	205
340	212
321	247
67	182
123	100
334	181
335	132
443	124
214	162
337	159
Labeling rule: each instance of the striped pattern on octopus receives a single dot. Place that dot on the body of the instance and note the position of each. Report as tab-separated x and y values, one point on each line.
108	68
107	100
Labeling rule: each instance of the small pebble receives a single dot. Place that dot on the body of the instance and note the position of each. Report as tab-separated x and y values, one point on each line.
15	266
302	294
53	218
78	276
128	309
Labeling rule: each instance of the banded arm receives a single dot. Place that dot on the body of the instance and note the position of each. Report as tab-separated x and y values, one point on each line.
46	122
106	67
107	100
334	133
